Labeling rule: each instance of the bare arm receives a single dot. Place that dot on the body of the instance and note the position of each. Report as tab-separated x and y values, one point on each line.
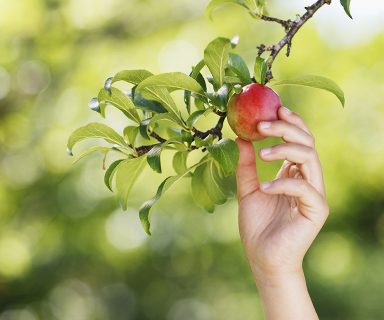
279	220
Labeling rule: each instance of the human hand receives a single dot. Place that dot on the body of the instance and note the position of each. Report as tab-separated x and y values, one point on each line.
279	220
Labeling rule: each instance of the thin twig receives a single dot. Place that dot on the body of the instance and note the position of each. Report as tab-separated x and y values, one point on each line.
291	27
286	24
216	131
153	134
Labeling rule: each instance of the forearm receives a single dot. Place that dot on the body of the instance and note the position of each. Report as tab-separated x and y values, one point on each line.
286	297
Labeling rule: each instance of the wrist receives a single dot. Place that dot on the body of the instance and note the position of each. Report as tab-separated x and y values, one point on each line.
278	278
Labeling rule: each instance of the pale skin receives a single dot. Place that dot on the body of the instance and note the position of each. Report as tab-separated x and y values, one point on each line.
279	220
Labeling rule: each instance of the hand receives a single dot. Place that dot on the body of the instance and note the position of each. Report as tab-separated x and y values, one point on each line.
279	220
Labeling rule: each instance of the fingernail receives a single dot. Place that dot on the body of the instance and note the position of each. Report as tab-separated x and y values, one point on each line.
286	110
266	151
265	185
265	125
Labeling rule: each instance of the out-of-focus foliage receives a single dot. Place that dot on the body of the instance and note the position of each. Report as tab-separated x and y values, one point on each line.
67	251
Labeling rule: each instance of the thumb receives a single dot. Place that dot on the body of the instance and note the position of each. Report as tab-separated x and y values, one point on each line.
247	180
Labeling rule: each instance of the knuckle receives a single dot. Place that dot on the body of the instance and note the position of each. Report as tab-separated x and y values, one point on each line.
311	154
279	150
299	119
311	140
296	116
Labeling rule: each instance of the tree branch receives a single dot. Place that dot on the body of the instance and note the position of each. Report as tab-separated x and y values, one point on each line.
153	134
145	149
291	28
215	131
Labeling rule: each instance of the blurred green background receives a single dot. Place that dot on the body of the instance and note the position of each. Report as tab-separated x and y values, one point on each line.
67	250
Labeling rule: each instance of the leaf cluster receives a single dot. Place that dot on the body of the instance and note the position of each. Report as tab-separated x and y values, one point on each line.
156	124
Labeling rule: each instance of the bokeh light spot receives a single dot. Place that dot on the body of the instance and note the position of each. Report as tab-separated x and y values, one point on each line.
23	314
15	257
32	77
5	83
124	230
169	56
190	309
72	300
333	256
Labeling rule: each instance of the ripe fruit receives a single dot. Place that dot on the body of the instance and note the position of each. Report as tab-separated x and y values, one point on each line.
256	103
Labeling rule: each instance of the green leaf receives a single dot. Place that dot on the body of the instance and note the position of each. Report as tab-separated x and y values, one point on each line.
172	81
238	65
143	129
163	96
95	130
203	143
153	158
260	5
187	94
195	74
132	76
199	104
226	153
166	185
127	173
197	69
169	117
91	150
186	136
109	174
216	3
130	133
194	117
119	100
199	191
216	57
232	80
229	185
148	105
212	182
200	79
220	98
261	69
147	206
346	4
315	82
180	162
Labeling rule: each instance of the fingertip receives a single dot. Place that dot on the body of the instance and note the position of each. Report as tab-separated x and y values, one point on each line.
263	126
264	153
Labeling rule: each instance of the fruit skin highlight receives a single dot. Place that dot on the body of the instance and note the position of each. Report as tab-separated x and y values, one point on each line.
256	103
